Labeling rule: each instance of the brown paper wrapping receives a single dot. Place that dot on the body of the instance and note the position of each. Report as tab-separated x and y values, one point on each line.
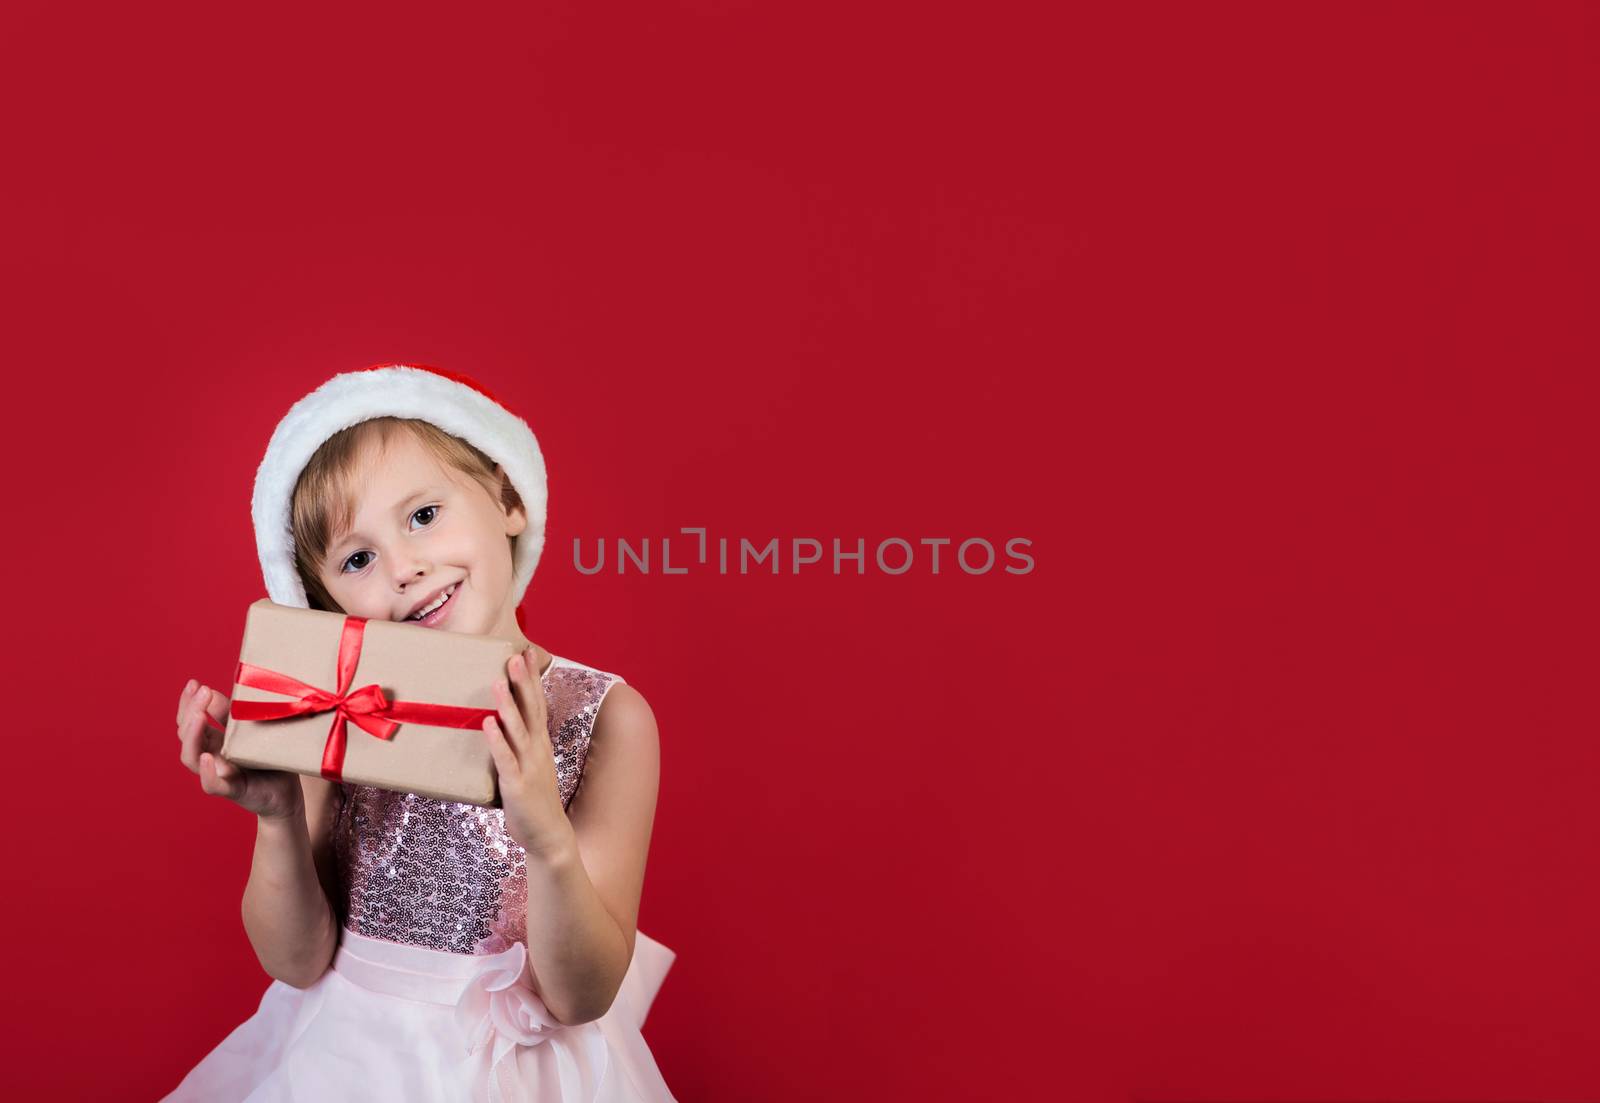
409	663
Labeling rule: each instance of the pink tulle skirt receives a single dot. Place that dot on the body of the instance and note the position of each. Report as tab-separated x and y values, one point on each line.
398	1023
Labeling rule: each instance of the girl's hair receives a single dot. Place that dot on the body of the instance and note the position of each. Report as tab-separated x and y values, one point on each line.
324	505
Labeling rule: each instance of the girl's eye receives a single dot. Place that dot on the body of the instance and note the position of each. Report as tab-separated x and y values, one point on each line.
346	567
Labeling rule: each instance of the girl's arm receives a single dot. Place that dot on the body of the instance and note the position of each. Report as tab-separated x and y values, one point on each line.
583	894
285	908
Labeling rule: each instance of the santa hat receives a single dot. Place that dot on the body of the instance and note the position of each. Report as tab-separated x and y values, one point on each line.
452	401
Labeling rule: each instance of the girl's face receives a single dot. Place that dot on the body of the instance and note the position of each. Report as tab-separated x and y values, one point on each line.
422	530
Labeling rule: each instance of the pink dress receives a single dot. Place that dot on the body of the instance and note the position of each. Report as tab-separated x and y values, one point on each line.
429	994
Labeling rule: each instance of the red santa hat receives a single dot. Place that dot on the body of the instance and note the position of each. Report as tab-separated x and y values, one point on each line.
452	401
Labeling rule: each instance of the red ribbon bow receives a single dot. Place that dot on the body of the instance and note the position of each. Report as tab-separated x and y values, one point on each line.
366	707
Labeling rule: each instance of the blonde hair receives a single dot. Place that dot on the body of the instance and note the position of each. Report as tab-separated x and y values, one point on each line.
324	504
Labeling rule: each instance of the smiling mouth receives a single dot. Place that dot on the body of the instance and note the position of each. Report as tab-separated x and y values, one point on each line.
437	612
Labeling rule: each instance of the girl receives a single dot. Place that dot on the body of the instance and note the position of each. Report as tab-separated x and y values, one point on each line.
424	949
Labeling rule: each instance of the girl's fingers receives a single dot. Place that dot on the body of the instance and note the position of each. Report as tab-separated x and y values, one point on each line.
186	704
191	735
505	762
215	704
216	708
538	712
209	780
217	778
530	694
517	667
536	688
194	733
201	707
512	729
183	699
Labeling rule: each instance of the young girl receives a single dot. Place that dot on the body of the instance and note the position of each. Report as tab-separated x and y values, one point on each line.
424	949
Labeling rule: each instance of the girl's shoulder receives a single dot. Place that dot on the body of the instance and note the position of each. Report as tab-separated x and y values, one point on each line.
625	707
571	676
576	690
560	663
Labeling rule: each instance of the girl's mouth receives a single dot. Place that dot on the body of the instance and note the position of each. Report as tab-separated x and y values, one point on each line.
439	612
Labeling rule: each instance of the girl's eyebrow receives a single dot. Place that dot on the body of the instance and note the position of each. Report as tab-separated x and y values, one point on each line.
346	536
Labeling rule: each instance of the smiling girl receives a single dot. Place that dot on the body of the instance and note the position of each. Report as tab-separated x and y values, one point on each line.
424	949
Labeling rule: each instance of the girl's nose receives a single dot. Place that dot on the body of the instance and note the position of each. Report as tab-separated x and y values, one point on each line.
414	573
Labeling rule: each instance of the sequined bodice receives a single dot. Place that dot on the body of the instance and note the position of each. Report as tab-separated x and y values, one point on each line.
442	874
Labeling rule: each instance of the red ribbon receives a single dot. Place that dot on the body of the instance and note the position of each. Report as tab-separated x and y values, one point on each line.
366	707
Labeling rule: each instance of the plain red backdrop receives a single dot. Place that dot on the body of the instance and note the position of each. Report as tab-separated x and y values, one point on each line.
1266	324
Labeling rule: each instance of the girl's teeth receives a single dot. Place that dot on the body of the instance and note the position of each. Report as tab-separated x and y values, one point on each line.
444	597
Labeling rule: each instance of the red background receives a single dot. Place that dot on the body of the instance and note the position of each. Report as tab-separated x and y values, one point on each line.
1265	324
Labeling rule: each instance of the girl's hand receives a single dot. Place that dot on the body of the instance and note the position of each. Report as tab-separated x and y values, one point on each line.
520	741
269	793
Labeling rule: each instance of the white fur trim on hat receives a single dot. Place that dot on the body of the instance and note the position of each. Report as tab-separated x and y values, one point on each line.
395	391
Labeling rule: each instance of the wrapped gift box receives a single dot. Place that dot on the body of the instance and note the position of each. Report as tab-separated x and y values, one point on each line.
368	702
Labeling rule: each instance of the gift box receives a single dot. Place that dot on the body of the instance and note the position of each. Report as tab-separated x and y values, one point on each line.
368	702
